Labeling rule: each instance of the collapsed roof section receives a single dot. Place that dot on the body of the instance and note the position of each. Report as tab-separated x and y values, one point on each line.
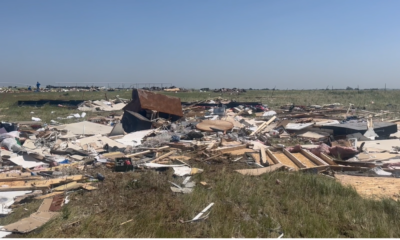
145	100
383	129
146	103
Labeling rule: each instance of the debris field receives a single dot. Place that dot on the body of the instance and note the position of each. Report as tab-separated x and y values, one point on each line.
51	161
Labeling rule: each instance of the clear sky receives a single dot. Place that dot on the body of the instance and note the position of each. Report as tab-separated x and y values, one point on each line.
295	44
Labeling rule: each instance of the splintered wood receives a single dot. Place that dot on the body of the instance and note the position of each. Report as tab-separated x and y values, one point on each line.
285	160
304	160
259	171
373	187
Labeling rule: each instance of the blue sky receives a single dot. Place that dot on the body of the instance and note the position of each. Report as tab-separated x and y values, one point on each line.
295	44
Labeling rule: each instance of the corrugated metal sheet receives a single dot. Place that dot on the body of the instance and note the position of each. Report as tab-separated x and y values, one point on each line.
142	99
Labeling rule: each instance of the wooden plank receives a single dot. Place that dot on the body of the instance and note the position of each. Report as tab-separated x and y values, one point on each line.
212	145
313	158
259	171
47	182
113	155
155	149
138	154
294	159
68	186
12	179
88	187
161	148
318	168
6	175
163	156
264	125
272	156
356	164
263	156
328	159
24	188
339	168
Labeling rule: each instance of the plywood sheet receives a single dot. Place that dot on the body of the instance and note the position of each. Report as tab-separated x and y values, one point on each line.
35	220
285	160
30	223
206	125
303	159
259	171
47	182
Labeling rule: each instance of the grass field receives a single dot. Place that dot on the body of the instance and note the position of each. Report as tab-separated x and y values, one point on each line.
302	205
373	100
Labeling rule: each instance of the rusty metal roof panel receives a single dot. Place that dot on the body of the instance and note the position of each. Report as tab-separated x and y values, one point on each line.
158	102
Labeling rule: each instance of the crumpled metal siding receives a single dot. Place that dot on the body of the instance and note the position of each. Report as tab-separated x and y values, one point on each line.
154	101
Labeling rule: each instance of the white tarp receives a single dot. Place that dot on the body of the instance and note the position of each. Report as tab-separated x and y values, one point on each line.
86	128
101	141
157	165
102	106
269	114
186	170
135	138
7	199
26	161
4	233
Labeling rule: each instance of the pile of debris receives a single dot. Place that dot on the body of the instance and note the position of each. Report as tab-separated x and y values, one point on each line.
49	162
103	105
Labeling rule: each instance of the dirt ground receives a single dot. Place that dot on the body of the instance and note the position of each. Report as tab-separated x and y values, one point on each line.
374	187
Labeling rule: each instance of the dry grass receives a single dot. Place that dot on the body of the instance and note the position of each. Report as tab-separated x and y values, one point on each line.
302	205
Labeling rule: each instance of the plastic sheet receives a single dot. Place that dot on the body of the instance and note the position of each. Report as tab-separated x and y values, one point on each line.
11	144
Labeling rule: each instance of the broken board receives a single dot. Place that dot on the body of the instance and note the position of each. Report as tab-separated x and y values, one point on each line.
259	171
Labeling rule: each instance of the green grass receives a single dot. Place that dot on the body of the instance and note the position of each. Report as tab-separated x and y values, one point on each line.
372	100
10	111
302	205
